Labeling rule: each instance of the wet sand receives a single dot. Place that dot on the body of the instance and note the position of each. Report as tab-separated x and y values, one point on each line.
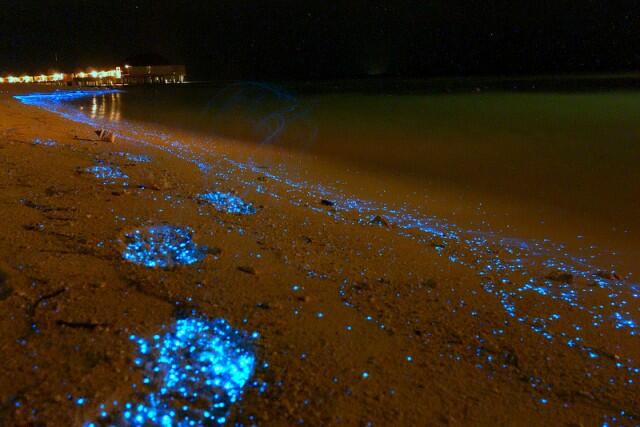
365	314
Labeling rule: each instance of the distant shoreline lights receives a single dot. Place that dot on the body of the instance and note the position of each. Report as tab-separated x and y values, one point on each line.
63	77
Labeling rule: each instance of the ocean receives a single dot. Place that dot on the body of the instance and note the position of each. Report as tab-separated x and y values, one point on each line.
537	158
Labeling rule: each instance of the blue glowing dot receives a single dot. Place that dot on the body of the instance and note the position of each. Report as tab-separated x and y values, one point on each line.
319	315
80	401
295	288
409	359
227	202
365	374
162	246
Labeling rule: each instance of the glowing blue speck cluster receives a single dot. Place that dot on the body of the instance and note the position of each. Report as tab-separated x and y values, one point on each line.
162	246
45	142
227	202
191	376
108	173
137	158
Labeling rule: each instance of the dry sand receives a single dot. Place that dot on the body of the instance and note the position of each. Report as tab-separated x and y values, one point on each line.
438	348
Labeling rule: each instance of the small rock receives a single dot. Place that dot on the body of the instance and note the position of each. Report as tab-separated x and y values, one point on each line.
247	269
5	289
509	357
607	275
586	394
326	202
105	135
263	305
214	251
33	227
560	276
430	283
381	221
51	191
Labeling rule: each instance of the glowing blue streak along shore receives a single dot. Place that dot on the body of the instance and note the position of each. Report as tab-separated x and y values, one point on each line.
192	375
162	246
227	202
38	99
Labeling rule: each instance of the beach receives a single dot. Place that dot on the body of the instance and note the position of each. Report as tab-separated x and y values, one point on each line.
352	310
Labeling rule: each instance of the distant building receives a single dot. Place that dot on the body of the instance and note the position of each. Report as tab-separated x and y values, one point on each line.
140	69
153	74
98	78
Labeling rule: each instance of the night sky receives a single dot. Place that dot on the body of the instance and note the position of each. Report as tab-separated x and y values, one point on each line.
244	39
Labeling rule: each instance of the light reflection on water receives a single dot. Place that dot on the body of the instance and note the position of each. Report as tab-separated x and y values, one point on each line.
105	107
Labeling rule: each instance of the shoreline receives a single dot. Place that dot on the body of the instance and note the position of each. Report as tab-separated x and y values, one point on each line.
556	194
67	239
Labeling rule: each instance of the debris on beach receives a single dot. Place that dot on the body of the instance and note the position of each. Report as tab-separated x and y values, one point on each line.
5	289
105	135
247	269
379	220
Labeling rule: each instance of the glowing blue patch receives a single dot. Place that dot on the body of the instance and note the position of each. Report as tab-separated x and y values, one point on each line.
191	376
45	142
137	158
227	202
109	174
162	246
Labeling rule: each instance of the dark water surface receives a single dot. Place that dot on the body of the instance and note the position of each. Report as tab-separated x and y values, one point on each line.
563	156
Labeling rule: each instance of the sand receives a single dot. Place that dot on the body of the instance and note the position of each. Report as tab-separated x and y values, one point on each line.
359	321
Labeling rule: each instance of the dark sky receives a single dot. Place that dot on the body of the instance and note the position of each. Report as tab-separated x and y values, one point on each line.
325	39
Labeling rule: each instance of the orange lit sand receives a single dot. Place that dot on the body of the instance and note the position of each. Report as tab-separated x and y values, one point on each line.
85	301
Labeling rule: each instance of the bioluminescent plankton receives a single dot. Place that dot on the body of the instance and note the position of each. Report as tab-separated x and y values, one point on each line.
136	158
227	202
162	246
45	142
108	173
192	374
